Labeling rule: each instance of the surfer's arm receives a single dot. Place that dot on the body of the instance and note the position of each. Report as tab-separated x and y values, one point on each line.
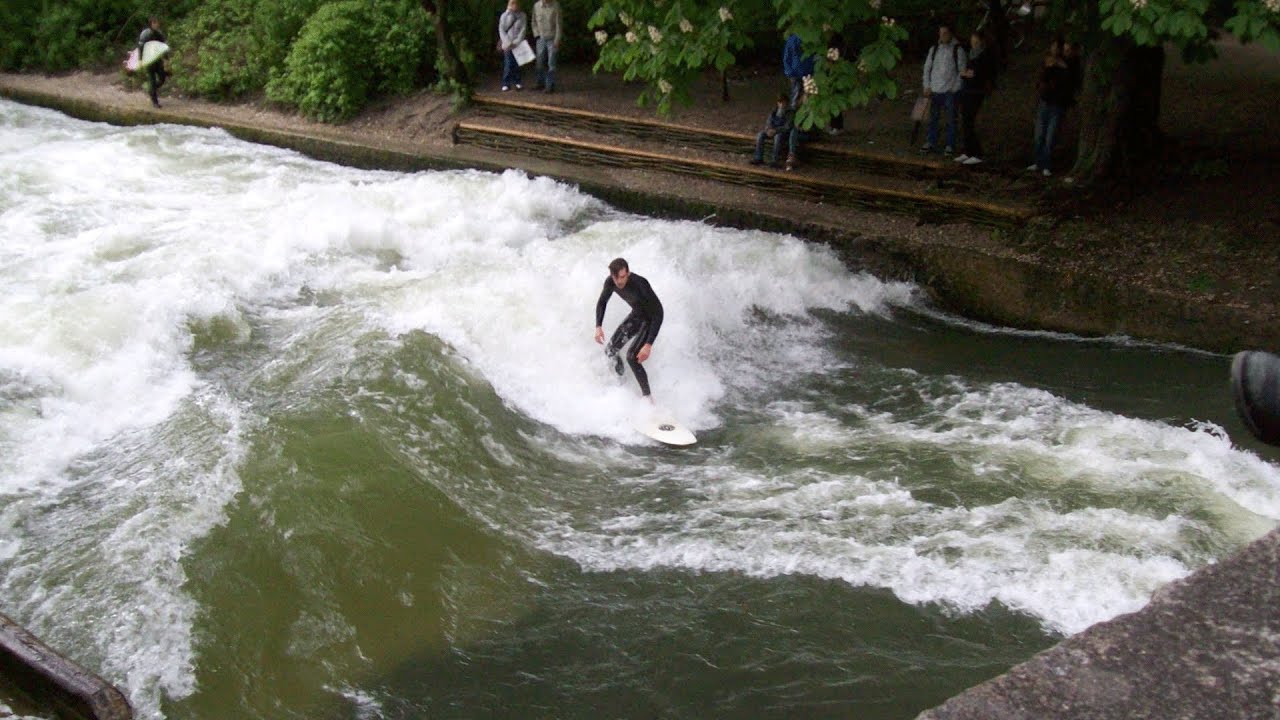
602	302
653	311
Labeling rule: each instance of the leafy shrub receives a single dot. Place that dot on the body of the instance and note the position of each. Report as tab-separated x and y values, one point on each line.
61	35
227	48
349	52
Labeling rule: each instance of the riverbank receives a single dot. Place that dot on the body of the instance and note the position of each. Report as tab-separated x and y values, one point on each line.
1187	260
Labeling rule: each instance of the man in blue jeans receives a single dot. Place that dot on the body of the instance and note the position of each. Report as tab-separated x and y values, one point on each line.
511	28
546	28
942	82
776	127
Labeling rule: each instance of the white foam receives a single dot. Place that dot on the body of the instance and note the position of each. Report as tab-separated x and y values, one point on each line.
1020	543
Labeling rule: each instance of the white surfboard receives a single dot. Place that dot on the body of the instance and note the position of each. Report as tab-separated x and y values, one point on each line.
152	51
661	426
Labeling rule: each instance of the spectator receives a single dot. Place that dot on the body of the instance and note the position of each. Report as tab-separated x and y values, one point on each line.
546	28
511	28
777	126
796	67
1055	92
156	74
979	78
794	138
942	81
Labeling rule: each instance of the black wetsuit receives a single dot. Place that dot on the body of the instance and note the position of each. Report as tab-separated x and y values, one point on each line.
643	323
156	74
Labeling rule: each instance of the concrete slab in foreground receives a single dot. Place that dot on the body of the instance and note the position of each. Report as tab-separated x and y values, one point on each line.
1207	646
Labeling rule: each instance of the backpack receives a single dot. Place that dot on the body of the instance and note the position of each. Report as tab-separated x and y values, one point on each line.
955	54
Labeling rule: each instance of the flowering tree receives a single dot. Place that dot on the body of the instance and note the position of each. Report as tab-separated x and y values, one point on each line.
667	43
1126	40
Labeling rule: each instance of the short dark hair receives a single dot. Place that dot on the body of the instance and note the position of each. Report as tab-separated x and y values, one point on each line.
618	265
782	98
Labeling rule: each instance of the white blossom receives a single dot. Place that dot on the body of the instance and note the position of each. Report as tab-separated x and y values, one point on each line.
810	85
833	54
1272	5
1139	4
888	21
625	18
664	86
602	37
685	25
655	34
725	15
631	37
875	4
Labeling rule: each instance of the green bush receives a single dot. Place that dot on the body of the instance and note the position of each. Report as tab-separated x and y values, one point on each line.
227	48
349	52
54	36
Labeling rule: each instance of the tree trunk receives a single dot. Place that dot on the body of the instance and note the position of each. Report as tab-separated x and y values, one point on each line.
998	24
1119	110
450	65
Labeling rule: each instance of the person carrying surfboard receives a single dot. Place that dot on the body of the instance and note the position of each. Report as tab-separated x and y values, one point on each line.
642	323
156	74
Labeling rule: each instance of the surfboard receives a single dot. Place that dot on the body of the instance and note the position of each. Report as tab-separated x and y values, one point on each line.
659	425
131	62
152	51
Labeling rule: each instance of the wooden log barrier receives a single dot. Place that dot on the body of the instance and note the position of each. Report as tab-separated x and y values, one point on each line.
800	186
709	139
54	680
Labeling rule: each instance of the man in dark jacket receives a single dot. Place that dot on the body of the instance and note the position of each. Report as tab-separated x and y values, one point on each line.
1055	94
642	323
978	80
776	126
156	74
796	65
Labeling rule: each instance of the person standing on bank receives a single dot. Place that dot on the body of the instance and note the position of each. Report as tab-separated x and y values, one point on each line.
942	80
1055	88
156	74
546	29
642	323
796	66
979	78
511	27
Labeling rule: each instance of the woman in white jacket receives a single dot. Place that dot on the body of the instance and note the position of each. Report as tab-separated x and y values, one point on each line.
511	30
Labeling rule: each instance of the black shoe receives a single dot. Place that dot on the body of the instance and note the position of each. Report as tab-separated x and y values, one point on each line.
155	102
757	161
550	89
617	365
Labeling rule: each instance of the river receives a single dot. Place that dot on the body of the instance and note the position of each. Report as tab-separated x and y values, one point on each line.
284	439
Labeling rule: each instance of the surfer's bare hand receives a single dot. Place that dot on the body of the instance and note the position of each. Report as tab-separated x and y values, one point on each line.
644	352
600	335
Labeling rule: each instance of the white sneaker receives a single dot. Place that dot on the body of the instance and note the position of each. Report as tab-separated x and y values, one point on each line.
1033	168
505	88
1045	172
519	86
972	160
961	158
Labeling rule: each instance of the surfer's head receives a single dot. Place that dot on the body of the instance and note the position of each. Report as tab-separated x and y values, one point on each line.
154	22
619	271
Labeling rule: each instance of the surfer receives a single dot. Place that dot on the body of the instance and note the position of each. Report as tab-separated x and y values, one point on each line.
156	74
642	323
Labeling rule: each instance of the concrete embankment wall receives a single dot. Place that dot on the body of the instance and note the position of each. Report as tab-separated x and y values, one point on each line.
1206	647
54	681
